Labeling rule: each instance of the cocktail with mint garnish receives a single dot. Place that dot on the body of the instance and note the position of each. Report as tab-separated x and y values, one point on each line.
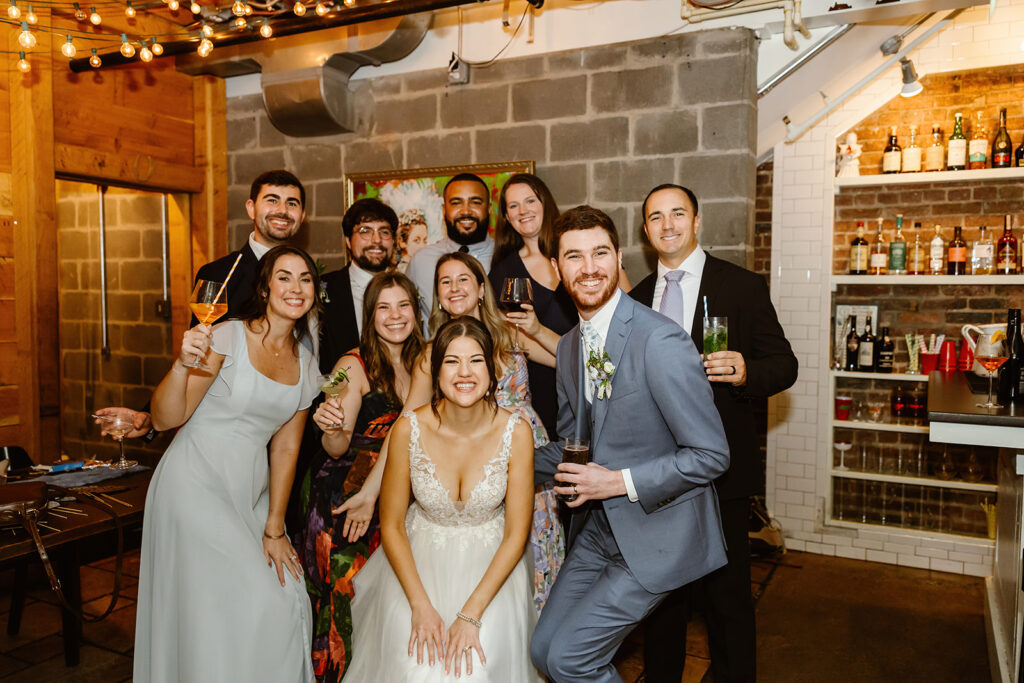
333	386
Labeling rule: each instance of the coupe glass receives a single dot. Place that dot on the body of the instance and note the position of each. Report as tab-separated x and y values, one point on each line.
333	388
117	427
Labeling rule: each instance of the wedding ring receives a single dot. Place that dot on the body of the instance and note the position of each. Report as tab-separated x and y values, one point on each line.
294	557
733	368
467	648
575	490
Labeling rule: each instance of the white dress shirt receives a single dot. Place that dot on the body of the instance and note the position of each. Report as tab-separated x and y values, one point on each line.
358	280
422	265
258	248
693	266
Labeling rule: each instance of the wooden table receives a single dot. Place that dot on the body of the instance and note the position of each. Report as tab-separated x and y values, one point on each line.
63	547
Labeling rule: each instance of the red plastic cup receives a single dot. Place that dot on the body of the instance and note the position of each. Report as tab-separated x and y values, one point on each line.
947	356
929	362
966	360
844	404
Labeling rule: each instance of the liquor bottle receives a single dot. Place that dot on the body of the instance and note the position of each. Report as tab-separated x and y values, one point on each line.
937	253
982	254
917	261
912	154
1018	155
886	352
1010	389
898	250
859	252
1006	251
879	260
956	159
852	345
1002	146
977	148
893	154
956	254
866	350
935	155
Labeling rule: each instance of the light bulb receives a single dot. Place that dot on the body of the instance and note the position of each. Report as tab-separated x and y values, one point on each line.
12	10
299	9
207	30
68	49
248	10
265	29
127	49
25	38
240	22
157	48
320	9
129	11
79	14
23	65
194	8
173	5
31	16
349	3
145	54
94	17
95	60
238	9
205	47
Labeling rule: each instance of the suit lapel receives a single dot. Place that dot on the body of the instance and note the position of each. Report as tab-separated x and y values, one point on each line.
614	345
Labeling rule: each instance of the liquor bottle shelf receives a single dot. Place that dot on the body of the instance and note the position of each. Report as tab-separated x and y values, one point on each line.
926	279
889	376
916	481
930	177
932	534
880	426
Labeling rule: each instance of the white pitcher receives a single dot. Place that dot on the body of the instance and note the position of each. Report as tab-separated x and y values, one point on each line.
980	332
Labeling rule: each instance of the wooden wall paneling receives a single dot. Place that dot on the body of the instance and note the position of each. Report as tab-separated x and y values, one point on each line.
35	247
7	62
127	167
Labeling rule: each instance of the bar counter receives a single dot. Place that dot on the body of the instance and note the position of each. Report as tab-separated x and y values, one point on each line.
954	417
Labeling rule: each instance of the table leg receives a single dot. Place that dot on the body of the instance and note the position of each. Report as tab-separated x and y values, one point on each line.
67	567
17	598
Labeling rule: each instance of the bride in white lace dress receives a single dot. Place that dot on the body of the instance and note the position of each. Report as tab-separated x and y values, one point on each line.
450	596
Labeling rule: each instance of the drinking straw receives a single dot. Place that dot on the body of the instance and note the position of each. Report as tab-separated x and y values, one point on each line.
938	343
230	273
706	307
931	343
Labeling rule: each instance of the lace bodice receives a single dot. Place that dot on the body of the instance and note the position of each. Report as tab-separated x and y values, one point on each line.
482	512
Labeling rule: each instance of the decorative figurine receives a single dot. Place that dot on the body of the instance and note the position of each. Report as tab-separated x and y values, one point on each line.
849	155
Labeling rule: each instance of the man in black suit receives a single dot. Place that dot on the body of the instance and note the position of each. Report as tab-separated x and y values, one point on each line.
758	364
275	205
369	226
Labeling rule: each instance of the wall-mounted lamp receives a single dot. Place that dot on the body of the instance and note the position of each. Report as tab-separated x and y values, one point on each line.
911	86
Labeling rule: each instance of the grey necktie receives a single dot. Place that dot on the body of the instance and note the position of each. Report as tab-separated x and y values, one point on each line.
672	298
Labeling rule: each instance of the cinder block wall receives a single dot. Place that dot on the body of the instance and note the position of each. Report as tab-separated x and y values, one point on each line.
604	125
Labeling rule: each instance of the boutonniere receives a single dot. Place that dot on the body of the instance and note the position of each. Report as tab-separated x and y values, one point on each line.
324	296
600	369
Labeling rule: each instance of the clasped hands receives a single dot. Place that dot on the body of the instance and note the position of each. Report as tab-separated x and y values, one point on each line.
588	482
460	641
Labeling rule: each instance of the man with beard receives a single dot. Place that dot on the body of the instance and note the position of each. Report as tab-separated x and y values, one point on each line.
644	516
467	216
276	206
369	226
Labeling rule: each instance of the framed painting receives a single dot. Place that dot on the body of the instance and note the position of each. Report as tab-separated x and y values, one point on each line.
416	196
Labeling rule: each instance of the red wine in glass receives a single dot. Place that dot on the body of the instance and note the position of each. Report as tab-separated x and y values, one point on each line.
516	291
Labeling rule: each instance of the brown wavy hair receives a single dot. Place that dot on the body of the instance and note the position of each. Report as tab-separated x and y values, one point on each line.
506	240
379	371
462	326
256	309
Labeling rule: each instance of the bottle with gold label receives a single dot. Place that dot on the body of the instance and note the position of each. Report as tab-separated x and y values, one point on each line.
935	155
937	253
1002	145
917	258
893	154
878	261
977	148
912	154
956	254
859	252
1006	251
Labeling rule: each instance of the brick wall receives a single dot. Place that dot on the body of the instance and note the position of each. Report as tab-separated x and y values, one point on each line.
763	219
139	340
604	125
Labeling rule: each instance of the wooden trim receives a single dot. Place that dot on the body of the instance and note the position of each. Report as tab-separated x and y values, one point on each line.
129	170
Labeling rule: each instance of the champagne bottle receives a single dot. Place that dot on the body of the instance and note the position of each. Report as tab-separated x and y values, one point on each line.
1010	378
852	345
886	352
937	253
982	252
977	148
859	252
935	155
893	154
957	155
918	259
866	350
879	260
898	250
1006	251
1002	146
956	254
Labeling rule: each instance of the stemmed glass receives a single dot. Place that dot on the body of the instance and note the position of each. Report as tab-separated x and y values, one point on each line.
117	428
991	353
842	447
209	301
332	386
516	291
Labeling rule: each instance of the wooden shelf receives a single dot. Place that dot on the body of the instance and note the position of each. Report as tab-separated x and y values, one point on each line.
879	426
888	376
916	481
932	177
920	533
926	280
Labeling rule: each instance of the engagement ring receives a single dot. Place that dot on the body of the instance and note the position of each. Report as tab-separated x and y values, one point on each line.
294	557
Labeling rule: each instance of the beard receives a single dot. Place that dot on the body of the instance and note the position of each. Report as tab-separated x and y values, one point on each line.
592	301
479	234
372	266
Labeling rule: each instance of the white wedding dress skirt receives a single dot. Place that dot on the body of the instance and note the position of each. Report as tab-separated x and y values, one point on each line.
452	548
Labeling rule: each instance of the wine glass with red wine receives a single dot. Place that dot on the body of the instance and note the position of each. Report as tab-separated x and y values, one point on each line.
515	292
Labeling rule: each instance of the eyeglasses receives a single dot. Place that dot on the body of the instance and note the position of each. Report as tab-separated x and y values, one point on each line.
367	232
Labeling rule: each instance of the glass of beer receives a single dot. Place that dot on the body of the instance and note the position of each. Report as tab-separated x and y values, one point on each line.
716	335
576	451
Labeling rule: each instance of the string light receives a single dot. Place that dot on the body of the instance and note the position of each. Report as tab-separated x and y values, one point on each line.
195	8
240	22
205	47
13	11
248	10
265	30
23	65
207	30
95	61
320	9
68	49
238	9
299	9
349	3
145	54
157	48
31	16
79	14
173	5
94	17
25	38
129	11
127	49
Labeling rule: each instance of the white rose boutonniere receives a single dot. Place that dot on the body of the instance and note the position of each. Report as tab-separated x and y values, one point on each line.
600	370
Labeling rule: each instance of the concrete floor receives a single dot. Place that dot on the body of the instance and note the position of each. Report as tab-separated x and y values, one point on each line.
819	619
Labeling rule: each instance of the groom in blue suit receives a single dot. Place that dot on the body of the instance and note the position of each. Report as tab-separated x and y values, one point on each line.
645	520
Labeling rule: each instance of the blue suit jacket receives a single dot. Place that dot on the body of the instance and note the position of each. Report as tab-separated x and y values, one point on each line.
661	423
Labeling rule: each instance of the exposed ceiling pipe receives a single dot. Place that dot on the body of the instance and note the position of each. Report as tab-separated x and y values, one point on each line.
788	70
792	20
290	25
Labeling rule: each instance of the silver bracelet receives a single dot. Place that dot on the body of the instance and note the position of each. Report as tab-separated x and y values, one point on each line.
475	622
